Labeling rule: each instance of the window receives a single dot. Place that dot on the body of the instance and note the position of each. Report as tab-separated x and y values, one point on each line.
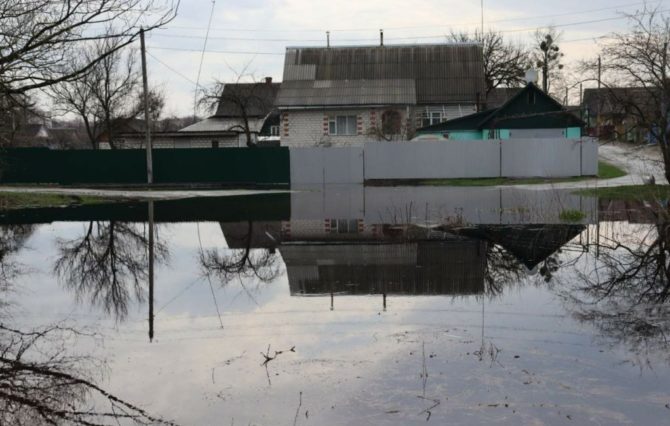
391	122
432	117
343	226
342	125
274	130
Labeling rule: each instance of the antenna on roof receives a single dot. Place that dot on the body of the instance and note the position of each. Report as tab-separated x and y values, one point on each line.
327	38
381	37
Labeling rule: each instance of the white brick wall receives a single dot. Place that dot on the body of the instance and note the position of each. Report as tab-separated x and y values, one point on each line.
301	128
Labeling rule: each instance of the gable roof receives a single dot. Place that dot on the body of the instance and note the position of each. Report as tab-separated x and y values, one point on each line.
498	96
257	99
519	112
382	75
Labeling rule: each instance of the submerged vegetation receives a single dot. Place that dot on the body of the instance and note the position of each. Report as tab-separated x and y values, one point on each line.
22	200
571	215
630	192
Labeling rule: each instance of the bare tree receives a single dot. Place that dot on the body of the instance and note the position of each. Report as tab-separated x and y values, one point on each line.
105	93
635	75
244	105
41	37
505	62
548	56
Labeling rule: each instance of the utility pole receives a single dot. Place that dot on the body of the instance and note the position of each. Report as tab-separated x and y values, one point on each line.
327	38
151	270
600	101
482	3
147	123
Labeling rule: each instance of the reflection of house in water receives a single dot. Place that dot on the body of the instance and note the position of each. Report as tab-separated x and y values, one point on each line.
531	244
419	267
352	257
348	256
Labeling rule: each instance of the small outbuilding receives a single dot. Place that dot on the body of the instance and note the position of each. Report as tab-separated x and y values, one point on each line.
530	113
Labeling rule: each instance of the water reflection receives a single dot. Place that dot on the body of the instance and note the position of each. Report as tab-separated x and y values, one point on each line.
43	383
107	265
625	289
488	288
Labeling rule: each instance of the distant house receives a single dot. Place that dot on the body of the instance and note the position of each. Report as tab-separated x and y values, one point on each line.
348	95
615	113
242	108
530	113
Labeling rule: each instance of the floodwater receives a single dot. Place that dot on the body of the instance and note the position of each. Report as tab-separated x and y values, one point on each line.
338	306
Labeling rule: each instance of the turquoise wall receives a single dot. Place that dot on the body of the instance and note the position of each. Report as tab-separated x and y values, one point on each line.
573	132
468	135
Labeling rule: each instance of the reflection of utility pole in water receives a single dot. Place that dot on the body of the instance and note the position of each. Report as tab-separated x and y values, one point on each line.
151	271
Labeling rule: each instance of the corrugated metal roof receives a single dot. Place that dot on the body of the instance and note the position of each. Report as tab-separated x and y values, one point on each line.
347	92
440	74
223	124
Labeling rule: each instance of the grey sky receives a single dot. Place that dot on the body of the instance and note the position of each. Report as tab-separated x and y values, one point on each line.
263	28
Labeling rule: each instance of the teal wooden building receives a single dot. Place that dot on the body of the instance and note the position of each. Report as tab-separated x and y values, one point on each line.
531	113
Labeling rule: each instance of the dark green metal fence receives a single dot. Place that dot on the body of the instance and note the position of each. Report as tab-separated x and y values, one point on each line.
225	166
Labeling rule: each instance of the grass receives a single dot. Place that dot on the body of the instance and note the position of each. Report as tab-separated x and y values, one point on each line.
21	200
629	192
570	215
609	171
605	171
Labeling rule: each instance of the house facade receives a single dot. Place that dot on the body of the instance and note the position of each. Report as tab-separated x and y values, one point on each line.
530	113
340	96
622	113
245	113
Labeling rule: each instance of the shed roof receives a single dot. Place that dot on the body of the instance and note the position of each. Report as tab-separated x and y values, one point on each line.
519	112
374	75
256	99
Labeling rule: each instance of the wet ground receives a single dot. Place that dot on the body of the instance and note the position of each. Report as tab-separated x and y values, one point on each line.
337	306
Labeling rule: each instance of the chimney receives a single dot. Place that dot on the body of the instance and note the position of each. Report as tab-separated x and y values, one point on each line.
268	80
381	37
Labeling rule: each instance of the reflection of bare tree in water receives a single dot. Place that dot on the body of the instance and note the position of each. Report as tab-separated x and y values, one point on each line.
40	384
108	264
12	239
625	293
262	264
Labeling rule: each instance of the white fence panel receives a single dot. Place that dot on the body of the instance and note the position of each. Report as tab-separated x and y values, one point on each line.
589	156
432	160
312	165
546	157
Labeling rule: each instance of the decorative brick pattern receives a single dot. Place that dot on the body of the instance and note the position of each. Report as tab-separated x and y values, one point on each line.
325	124
285	123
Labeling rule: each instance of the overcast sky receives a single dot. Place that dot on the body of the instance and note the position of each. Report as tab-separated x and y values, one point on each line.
252	35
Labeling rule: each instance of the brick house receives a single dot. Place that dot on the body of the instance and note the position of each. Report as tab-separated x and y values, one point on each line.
337	96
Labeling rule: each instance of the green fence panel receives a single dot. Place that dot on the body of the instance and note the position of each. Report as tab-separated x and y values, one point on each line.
228	166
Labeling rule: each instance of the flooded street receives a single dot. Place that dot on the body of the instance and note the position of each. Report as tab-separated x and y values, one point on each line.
339	305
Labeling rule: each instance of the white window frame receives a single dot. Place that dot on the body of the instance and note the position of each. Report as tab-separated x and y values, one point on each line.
430	118
274	130
349	130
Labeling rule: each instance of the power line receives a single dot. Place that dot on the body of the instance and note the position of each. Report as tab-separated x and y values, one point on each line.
419	37
230	52
202	59
526	18
171	69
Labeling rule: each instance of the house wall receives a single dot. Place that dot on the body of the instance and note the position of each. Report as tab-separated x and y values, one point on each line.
308	128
